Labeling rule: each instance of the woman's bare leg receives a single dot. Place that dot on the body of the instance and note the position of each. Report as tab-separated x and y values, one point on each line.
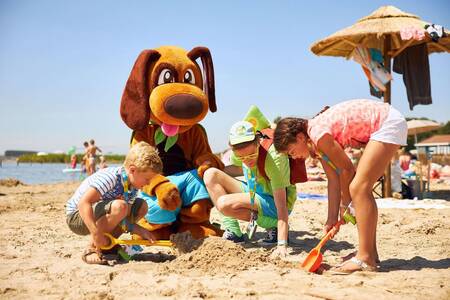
373	162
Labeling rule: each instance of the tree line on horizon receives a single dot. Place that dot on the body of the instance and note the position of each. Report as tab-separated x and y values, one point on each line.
64	158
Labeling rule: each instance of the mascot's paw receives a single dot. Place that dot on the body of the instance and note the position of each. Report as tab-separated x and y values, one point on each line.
201	170
201	230
159	231
168	196
166	192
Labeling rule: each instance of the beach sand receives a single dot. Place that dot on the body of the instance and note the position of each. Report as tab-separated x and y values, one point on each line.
41	259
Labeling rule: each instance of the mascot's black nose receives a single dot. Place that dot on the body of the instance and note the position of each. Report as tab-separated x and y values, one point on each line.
183	106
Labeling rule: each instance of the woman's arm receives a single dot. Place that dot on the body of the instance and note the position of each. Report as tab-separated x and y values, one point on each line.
334	194
337	156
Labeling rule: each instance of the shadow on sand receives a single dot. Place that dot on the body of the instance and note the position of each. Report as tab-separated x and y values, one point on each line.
300	241
154	257
416	263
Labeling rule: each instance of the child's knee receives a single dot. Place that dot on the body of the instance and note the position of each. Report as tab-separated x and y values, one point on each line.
210	176
119	208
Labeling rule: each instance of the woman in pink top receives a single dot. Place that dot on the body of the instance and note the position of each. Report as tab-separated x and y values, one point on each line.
378	127
405	160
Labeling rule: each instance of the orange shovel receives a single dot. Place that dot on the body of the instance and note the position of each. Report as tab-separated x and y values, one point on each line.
114	241
314	259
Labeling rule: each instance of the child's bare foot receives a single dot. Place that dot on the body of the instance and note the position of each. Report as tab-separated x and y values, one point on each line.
91	256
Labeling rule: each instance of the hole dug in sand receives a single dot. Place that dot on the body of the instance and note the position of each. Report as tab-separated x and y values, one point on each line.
214	255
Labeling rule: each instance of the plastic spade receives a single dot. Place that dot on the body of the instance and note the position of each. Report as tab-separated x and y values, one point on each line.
314	259
114	241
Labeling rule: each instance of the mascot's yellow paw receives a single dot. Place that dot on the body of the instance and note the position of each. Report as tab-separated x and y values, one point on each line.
166	192
168	196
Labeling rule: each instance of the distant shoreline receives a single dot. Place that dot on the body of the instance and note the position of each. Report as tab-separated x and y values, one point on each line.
8	158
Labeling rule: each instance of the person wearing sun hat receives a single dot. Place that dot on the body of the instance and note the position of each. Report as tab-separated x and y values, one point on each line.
267	201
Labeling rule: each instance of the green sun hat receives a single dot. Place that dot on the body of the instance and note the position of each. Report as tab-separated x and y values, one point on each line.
256	117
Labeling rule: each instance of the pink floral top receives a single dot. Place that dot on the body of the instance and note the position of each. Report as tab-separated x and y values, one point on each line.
350	123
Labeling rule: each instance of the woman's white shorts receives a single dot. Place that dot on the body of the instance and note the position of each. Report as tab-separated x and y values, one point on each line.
393	130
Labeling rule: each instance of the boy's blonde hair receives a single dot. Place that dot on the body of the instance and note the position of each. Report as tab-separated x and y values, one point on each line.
144	157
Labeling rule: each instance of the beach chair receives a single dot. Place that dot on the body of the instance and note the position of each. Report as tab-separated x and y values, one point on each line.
378	188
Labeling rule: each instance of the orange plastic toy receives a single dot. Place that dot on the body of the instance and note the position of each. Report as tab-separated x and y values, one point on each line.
314	259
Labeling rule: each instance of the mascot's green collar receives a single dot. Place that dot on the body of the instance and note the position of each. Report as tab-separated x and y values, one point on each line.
160	137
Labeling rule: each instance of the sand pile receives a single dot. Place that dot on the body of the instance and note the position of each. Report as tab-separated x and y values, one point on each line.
215	255
184	242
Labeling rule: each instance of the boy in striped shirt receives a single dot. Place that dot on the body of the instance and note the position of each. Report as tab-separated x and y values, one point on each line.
106	202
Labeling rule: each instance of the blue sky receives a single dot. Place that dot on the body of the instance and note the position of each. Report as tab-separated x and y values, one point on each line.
64	64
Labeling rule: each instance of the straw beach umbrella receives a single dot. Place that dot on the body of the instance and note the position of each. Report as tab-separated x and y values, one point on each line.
379	30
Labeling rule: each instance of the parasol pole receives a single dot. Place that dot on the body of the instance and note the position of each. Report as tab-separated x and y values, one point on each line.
387	188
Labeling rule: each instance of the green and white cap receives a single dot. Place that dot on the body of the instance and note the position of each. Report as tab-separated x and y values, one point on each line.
241	132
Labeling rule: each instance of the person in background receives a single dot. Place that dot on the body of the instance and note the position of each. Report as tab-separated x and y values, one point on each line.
396	176
404	159
73	161
92	155
85	160
102	163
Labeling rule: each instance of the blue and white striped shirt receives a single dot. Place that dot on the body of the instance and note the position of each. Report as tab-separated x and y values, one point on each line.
108	182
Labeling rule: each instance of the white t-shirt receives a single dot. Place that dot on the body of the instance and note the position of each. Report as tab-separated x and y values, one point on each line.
108	182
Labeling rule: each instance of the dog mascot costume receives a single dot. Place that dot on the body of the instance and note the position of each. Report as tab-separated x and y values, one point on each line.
165	97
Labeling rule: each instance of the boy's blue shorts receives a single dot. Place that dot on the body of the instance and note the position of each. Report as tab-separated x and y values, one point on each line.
267	211
265	202
191	189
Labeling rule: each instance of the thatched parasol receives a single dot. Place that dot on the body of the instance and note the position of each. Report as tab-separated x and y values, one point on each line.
380	30
371	31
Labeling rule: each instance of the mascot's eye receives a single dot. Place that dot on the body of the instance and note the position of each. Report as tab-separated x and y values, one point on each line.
189	77
165	76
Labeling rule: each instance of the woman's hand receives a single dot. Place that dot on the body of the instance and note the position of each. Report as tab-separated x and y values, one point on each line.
329	225
279	252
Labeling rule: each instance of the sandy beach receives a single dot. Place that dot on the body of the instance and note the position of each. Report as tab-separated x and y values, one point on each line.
40	258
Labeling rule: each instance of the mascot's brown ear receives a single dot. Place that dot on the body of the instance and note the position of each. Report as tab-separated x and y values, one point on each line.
134	107
208	71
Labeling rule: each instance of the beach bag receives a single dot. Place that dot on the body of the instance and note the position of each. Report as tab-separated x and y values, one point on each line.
260	122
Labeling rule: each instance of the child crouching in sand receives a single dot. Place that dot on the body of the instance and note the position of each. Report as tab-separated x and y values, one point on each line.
266	201
106	202
377	126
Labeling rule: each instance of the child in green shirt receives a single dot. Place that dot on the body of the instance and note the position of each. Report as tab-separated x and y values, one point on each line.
270	199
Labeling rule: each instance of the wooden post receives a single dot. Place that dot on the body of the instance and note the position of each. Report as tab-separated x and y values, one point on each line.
387	188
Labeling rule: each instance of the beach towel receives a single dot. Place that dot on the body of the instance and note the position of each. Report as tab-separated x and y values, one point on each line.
371	62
